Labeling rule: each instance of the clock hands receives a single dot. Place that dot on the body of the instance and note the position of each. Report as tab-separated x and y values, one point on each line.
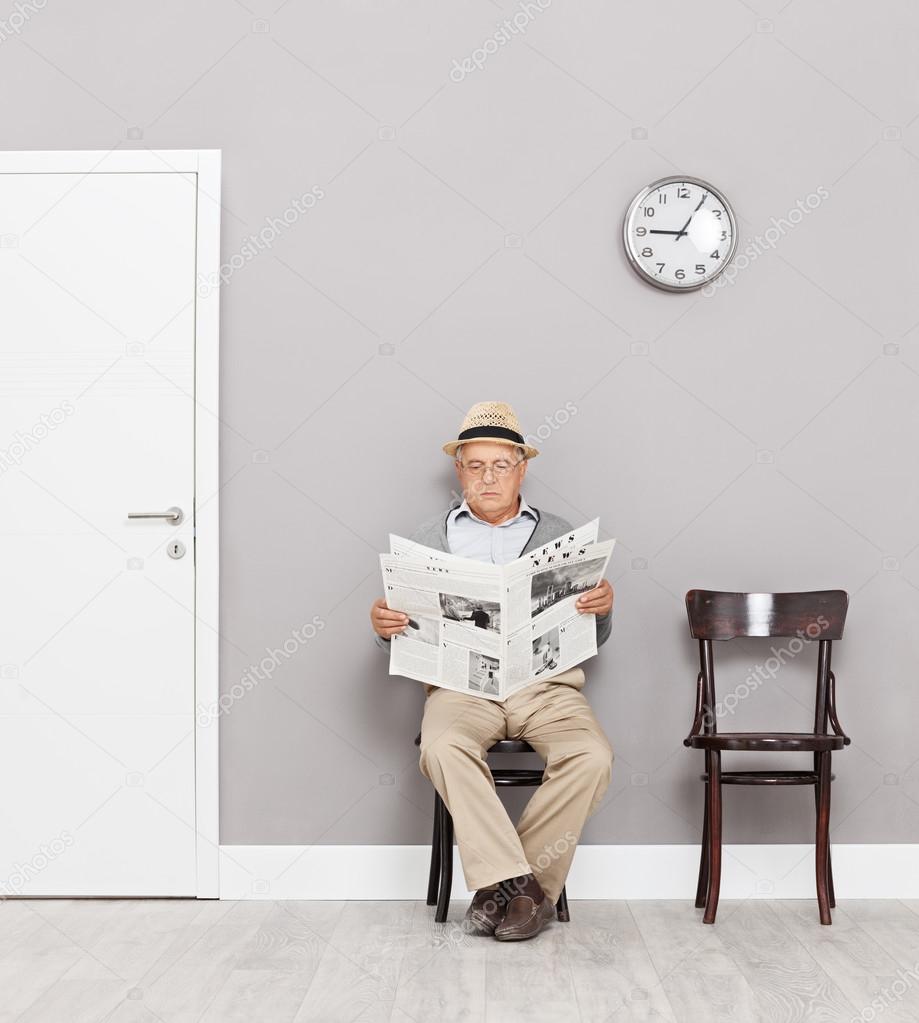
679	234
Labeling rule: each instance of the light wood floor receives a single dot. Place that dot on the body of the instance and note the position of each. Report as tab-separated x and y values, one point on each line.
178	961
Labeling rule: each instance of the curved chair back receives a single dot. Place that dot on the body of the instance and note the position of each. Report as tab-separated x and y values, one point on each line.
812	615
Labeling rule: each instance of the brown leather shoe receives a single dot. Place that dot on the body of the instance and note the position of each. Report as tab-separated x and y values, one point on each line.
487	910
524	918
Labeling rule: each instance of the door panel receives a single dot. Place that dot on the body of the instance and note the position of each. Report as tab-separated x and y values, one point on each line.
97	277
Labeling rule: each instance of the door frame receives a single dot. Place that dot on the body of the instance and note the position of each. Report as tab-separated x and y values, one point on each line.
204	166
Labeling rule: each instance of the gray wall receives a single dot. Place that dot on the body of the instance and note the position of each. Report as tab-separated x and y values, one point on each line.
466	247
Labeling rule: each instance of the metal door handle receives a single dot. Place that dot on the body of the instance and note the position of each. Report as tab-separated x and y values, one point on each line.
174	515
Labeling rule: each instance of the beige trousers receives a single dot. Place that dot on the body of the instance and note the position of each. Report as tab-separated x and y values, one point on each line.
554	717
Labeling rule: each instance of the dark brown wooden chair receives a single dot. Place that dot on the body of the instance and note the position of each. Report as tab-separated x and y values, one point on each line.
818	617
440	877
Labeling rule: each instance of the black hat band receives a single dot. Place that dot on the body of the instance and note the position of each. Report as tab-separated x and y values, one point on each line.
495	432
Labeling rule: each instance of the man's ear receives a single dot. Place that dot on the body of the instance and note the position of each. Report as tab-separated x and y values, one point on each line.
523	471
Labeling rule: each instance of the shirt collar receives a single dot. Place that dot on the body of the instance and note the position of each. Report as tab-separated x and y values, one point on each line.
524	509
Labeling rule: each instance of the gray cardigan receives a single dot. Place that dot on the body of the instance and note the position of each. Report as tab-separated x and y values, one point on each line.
433	533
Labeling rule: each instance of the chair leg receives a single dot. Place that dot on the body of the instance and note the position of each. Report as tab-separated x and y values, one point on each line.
434	873
446	862
714	815
823	838
829	876
561	907
829	854
702	886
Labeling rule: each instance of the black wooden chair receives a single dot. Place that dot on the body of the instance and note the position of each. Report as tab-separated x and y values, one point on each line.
817	616
440	878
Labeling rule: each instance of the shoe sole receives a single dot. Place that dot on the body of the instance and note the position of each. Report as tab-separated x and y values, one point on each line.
483	926
515	936
518	936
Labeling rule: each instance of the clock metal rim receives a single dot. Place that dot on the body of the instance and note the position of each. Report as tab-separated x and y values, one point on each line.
643	194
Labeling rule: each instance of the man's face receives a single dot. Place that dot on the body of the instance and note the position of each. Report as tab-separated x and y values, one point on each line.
490	476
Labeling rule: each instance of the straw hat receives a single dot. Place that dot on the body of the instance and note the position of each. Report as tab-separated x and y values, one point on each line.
492	421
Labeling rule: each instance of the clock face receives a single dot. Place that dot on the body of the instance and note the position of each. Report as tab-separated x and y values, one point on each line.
679	233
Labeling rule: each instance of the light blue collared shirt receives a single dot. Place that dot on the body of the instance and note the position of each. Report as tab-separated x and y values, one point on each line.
472	537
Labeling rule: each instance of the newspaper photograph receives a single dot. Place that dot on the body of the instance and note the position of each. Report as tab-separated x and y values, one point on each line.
489	630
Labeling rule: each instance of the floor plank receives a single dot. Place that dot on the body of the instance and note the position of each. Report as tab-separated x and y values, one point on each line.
30	969
530	980
357	976
442	976
700	978
273	972
861	967
184	961
182	991
789	984
893	925
610	965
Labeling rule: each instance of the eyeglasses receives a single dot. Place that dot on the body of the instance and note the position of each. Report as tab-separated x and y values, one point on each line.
500	468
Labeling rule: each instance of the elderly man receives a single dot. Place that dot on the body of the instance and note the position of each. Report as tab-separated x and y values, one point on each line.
517	873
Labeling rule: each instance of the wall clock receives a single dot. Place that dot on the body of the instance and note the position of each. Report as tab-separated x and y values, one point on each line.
679	233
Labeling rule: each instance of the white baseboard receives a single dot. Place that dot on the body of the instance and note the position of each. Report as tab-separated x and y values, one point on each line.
599	872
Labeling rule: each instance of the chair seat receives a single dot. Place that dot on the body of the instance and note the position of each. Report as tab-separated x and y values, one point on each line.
501	746
511	746
787	741
510	777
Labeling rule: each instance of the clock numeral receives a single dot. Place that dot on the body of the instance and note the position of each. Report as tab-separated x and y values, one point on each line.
714	255
641	231
661	267
662	198
700	268
648	211
718	213
682	193
724	236
647	253
680	274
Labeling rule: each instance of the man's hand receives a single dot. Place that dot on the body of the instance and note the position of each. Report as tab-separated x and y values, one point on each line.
387	623
598	601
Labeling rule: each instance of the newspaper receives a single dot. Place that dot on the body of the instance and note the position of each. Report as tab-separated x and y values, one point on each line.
489	630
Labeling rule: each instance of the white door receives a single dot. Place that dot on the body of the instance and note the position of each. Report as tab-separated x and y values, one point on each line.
97	619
